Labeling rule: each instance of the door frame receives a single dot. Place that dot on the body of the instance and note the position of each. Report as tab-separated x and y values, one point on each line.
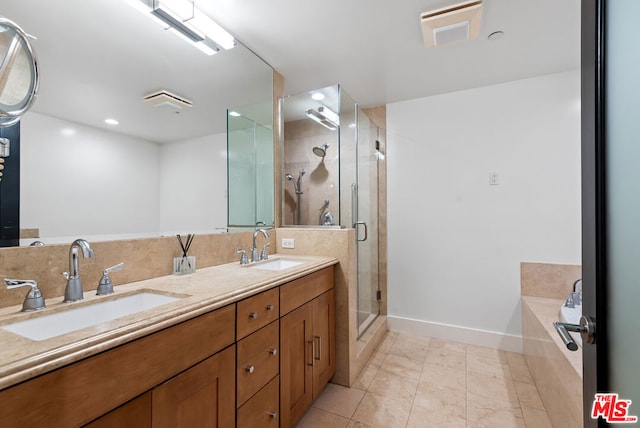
594	249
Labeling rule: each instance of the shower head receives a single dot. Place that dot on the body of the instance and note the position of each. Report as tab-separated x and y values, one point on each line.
321	151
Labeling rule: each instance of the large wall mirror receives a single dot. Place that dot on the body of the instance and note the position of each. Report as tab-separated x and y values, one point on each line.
98	161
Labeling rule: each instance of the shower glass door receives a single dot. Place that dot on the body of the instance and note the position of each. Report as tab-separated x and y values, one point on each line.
366	225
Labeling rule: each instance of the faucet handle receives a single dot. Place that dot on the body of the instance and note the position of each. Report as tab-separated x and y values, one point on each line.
105	286
264	255
115	268
33	301
243	259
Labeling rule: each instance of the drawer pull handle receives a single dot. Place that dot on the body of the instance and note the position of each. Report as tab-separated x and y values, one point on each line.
273	415
270	307
250	369
253	315
273	351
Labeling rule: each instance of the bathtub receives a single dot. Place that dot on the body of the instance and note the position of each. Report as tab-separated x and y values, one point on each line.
556	371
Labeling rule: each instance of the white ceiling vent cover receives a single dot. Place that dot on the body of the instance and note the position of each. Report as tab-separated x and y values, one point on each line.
165	99
452	24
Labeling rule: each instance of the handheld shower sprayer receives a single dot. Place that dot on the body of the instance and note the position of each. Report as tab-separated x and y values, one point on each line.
297	186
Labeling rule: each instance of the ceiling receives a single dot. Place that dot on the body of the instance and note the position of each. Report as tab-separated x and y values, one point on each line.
374	48
101	60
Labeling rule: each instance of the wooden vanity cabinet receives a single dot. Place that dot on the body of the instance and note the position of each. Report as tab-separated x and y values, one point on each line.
198	397
259	362
91	388
307	343
135	413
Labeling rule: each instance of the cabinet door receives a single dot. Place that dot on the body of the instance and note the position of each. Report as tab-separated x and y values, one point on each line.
324	332
202	396
136	413
296	371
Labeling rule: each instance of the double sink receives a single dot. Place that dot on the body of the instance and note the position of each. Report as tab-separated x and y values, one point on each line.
81	316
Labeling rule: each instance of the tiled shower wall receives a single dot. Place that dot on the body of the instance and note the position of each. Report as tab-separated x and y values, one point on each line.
320	182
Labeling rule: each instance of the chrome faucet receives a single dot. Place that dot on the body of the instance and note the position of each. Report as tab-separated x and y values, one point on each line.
73	292
34	300
254	250
575	298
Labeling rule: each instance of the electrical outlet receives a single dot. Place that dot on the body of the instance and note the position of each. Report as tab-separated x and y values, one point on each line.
288	243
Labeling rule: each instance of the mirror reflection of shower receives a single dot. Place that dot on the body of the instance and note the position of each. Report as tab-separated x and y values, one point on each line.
326	218
297	186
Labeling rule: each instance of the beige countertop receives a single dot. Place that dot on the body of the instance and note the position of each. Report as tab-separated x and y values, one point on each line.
203	291
547	311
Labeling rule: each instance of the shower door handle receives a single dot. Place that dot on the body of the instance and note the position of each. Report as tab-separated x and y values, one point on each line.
366	231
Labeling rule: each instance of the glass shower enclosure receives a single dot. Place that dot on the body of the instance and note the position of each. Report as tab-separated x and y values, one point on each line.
330	178
250	167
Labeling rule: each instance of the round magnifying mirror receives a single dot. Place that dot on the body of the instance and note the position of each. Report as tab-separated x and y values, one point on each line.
18	73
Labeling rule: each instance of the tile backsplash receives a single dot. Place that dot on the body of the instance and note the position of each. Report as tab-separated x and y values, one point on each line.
550	280
143	259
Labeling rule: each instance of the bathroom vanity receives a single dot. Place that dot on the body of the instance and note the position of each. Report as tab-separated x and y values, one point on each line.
245	347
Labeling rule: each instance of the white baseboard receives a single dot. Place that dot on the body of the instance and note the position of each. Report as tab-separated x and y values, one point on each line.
454	333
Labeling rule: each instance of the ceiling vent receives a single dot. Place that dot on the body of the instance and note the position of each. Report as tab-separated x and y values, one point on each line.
167	100
452	24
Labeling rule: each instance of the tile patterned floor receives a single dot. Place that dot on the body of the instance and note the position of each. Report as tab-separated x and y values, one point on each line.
419	382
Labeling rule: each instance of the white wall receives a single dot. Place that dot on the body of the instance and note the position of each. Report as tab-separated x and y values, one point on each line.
78	180
455	242
193	183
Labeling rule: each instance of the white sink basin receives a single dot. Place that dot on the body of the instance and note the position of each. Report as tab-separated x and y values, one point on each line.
56	324
279	264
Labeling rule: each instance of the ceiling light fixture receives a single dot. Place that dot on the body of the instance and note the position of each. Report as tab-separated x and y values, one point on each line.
329	114
318	96
321	118
165	99
452	24
187	21
234	113
111	121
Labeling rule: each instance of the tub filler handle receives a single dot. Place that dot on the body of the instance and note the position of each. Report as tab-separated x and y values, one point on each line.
586	328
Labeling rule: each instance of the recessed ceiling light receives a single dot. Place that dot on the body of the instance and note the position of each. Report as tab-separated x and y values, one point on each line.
234	114
111	121
318	96
495	35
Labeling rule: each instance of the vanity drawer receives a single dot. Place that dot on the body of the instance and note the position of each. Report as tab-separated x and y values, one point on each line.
302	290
262	410
257	311
258	361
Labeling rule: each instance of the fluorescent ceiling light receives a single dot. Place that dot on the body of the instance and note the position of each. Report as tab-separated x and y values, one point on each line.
184	19
324	116
329	114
